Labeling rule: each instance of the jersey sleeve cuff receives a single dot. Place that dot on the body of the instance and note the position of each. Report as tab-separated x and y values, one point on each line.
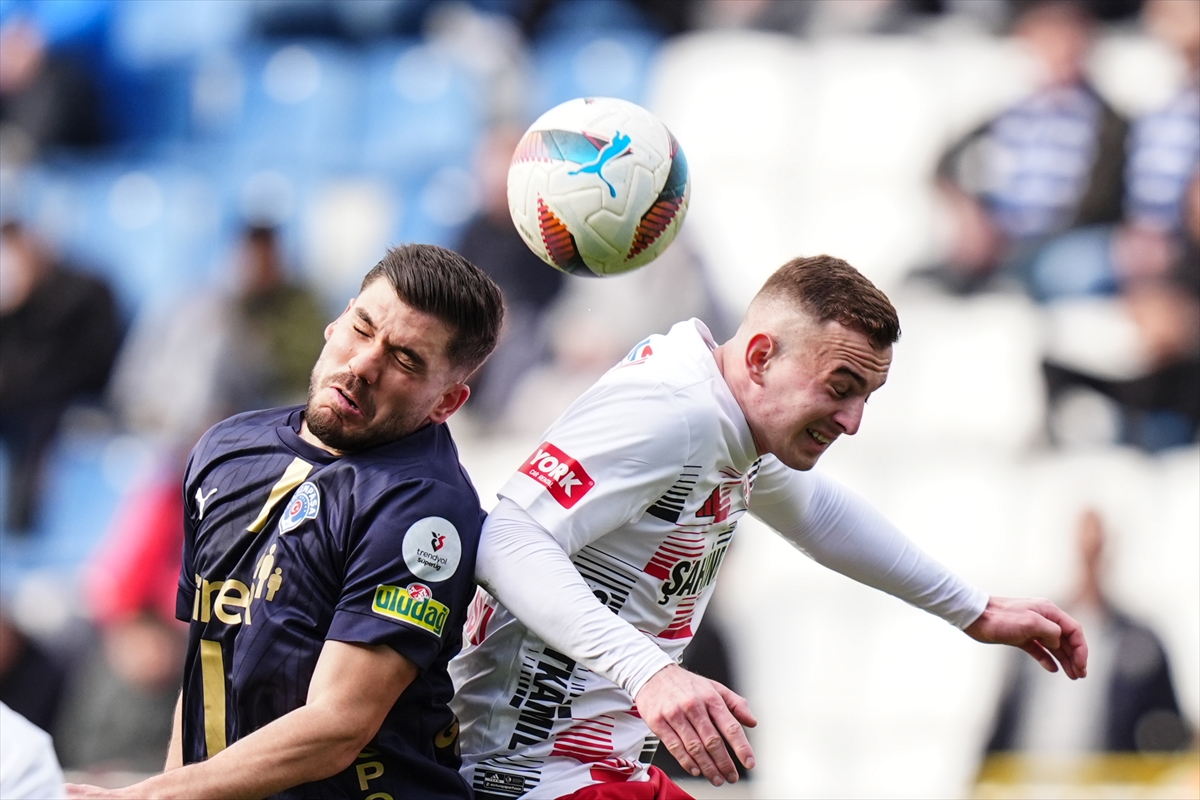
653	664
419	647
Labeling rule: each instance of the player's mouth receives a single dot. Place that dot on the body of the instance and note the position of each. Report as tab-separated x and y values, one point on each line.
347	403
819	437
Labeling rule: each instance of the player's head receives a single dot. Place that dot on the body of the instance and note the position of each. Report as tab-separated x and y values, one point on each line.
815	343
400	354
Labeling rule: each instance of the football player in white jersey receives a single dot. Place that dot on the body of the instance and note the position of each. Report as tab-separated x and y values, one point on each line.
599	560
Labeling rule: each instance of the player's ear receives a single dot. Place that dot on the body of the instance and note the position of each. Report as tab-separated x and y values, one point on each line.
329	327
452	400
759	351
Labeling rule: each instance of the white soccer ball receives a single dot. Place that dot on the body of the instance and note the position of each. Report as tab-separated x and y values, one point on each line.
598	186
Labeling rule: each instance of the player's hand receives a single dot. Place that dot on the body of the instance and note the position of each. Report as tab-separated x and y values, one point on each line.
83	790
690	714
1037	626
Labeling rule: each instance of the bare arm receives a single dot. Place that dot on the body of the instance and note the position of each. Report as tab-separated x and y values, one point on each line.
175	748
353	688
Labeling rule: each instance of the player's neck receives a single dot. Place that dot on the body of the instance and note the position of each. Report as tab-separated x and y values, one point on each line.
312	439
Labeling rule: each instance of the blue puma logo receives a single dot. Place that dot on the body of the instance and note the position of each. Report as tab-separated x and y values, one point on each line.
619	146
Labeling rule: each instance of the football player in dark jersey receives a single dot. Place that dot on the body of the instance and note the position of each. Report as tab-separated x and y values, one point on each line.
329	560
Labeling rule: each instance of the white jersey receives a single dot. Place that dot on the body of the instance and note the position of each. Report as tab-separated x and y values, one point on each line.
28	765
642	482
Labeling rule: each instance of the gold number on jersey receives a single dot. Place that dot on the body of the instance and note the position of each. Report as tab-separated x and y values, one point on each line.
212	659
212	672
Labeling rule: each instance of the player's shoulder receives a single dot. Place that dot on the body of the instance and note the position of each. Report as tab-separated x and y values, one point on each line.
420	473
240	431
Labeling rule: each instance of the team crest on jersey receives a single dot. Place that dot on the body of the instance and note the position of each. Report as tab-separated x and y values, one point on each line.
304	505
563	476
413	604
640	352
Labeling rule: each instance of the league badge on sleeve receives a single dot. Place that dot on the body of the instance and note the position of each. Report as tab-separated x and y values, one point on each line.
304	505
432	549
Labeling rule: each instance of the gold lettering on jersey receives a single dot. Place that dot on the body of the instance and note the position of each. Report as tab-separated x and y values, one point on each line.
230	600
234	594
367	772
293	476
412	605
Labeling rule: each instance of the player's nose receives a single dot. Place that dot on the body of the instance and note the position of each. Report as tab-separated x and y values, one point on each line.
849	417
366	363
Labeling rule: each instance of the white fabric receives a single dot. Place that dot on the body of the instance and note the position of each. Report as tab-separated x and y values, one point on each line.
513	547
640	484
839	530
28	766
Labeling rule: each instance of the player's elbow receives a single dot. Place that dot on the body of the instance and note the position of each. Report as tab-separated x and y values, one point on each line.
346	747
344	740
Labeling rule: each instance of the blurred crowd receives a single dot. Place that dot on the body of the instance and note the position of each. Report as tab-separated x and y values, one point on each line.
177	233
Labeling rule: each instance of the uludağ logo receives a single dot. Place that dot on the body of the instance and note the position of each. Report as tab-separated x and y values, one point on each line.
413	604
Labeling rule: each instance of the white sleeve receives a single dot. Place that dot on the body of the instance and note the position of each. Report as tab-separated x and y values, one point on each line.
28	765
522	565
841	531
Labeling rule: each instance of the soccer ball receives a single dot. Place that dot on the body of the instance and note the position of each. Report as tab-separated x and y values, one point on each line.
598	186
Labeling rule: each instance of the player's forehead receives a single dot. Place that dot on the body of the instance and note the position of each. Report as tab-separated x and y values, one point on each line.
400	324
843	350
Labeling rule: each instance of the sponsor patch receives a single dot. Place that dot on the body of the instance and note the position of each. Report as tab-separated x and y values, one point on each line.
640	352
304	505
413	604
432	549
500	783
563	476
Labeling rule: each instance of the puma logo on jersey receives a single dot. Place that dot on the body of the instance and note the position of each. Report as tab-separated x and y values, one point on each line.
563	476
202	500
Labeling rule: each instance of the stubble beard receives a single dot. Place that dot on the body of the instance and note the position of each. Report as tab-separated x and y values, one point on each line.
326	425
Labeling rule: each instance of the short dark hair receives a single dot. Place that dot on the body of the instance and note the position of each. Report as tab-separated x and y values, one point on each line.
828	288
442	283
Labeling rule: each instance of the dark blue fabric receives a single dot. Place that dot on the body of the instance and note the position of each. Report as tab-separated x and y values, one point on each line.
311	574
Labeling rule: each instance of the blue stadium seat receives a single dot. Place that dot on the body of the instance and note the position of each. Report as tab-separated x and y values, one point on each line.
573	64
300	101
81	494
154	50
423	109
152	228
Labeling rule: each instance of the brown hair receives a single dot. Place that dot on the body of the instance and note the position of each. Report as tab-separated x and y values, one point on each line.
828	288
442	283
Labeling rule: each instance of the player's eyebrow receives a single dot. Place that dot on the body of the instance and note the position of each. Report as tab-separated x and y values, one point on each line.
859	381
418	361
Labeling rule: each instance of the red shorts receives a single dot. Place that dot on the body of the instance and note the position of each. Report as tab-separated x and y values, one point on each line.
659	787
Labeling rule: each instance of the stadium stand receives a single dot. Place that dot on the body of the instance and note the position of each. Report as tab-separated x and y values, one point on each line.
795	146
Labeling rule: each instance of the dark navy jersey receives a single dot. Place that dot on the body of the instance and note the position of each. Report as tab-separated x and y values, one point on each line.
287	546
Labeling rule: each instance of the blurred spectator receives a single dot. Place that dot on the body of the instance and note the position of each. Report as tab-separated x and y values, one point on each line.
1158	401
28	766
587	338
49	85
192	364
31	681
283	317
59	334
1164	153
1052	162
1165	146
1127	703
491	242
119	702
